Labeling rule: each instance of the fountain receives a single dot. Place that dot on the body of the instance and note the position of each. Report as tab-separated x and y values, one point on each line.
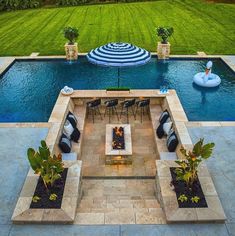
207	79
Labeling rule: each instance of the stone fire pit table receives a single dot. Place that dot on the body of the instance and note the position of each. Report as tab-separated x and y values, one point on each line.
118	156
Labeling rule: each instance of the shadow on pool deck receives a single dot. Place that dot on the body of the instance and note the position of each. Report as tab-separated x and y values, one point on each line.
14	166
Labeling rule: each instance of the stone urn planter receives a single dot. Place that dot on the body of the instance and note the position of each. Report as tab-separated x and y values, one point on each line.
163	50
71	51
163	47
71	48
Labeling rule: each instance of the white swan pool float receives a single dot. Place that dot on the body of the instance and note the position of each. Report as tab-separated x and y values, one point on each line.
207	79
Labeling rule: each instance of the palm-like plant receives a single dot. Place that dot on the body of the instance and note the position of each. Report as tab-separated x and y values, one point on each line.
71	33
189	166
47	166
164	33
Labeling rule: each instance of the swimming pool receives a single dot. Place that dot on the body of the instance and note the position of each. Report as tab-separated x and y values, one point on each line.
29	88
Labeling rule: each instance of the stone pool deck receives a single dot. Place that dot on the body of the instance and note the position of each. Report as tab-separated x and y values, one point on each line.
15	167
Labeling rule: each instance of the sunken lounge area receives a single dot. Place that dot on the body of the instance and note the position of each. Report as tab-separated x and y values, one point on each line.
121	167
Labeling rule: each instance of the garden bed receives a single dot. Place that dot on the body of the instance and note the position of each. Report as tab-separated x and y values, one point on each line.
181	188
169	201
64	214
44	194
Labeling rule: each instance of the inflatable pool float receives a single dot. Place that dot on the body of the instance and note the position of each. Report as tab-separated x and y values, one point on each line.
207	79
66	90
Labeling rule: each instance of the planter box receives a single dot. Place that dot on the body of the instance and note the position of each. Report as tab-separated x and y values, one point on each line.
168	200
163	50
64	215
71	51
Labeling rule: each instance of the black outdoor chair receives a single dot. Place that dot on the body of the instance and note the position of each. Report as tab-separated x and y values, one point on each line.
93	107
125	108
110	107
144	108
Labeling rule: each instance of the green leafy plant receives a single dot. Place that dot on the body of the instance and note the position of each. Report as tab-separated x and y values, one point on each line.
53	197
183	198
195	199
36	198
71	33
164	33
43	163
189	166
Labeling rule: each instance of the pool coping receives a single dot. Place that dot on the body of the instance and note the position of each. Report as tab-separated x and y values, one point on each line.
201	55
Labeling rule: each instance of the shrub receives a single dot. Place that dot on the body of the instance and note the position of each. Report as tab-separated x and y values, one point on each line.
47	166
189	166
71	34
164	33
18	4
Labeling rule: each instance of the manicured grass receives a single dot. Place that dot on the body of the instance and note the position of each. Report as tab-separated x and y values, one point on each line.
199	26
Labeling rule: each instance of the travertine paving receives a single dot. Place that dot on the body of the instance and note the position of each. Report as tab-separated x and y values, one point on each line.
143	146
119	201
111	198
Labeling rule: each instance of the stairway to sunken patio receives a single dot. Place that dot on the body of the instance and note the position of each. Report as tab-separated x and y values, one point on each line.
119	201
119	194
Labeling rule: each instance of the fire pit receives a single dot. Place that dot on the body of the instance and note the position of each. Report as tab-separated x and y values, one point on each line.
118	138
118	146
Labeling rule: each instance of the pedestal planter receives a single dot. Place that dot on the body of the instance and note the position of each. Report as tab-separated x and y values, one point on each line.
71	51
23	212
168	199
163	50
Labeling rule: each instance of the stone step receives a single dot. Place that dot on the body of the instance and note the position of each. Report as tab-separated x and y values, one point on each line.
125	217
123	203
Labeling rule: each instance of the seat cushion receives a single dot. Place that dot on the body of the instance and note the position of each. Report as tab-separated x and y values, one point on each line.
160	131
68	129
172	142
72	119
65	144
111	103
164	116
75	135
167	127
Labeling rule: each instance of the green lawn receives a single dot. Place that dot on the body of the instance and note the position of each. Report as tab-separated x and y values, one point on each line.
199	26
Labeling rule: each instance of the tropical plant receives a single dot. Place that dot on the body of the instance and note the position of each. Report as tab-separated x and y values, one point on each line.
189	166
35	198
53	197
164	33
47	166
183	198
71	34
195	199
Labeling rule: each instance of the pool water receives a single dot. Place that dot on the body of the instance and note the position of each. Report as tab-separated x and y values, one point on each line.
29	89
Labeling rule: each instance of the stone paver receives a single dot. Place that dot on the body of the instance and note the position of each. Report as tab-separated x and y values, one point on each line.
221	168
121	201
143	147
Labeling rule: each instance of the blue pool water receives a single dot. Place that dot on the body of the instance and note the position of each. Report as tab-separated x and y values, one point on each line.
29	89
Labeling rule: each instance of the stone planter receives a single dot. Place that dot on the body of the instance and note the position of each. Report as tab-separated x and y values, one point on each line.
163	50
168	200
64	215
71	51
